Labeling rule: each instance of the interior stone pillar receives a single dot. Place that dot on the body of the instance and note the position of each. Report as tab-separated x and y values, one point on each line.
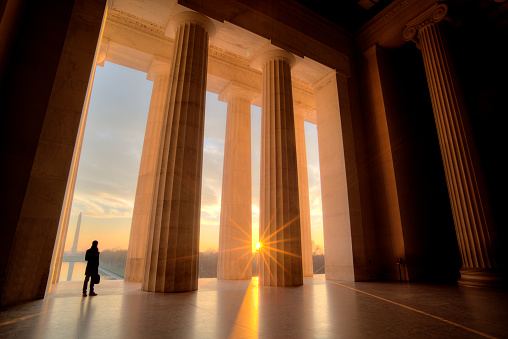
171	263
345	255
159	74
303	190
63	224
390	235
279	222
41	123
235	235
468	196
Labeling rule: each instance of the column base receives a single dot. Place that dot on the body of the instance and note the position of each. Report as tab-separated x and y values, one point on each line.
483	277
134	269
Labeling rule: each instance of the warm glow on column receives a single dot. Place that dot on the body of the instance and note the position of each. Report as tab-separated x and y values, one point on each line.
258	246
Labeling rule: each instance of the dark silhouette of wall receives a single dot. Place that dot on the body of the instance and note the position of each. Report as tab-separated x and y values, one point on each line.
47	53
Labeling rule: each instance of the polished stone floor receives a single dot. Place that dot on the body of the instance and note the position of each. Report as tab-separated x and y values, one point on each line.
242	309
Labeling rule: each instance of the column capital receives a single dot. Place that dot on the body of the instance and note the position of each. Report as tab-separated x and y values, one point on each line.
237	89
191	17
432	15
158	65
271	53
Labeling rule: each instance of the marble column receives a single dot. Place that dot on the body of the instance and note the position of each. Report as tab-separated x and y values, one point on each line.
474	223
159	74
303	189
279	222
235	235
172	263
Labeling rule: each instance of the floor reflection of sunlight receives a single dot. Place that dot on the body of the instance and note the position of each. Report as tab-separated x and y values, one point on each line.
248	314
255	293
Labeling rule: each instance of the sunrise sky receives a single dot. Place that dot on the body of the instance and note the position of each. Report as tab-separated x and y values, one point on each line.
108	169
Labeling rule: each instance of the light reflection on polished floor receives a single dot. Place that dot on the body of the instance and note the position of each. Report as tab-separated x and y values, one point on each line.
241	309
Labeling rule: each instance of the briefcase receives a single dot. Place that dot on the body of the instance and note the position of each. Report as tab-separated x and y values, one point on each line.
96	279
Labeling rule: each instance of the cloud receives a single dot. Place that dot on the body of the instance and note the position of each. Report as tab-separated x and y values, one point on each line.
211	187
214	149
215	117
102	205
112	144
210	214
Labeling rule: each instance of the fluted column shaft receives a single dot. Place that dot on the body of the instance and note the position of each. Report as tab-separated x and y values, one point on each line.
466	187
235	235
303	189
159	73
279	229
171	263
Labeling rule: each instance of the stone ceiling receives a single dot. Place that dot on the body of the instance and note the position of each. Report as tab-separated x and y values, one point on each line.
155	15
348	14
136	30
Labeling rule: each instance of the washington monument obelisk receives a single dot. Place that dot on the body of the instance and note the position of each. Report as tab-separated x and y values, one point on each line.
76	236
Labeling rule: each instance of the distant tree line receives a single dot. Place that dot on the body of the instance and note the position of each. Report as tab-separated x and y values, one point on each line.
208	261
318	259
114	257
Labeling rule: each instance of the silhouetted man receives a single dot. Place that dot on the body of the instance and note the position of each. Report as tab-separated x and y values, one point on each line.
92	267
